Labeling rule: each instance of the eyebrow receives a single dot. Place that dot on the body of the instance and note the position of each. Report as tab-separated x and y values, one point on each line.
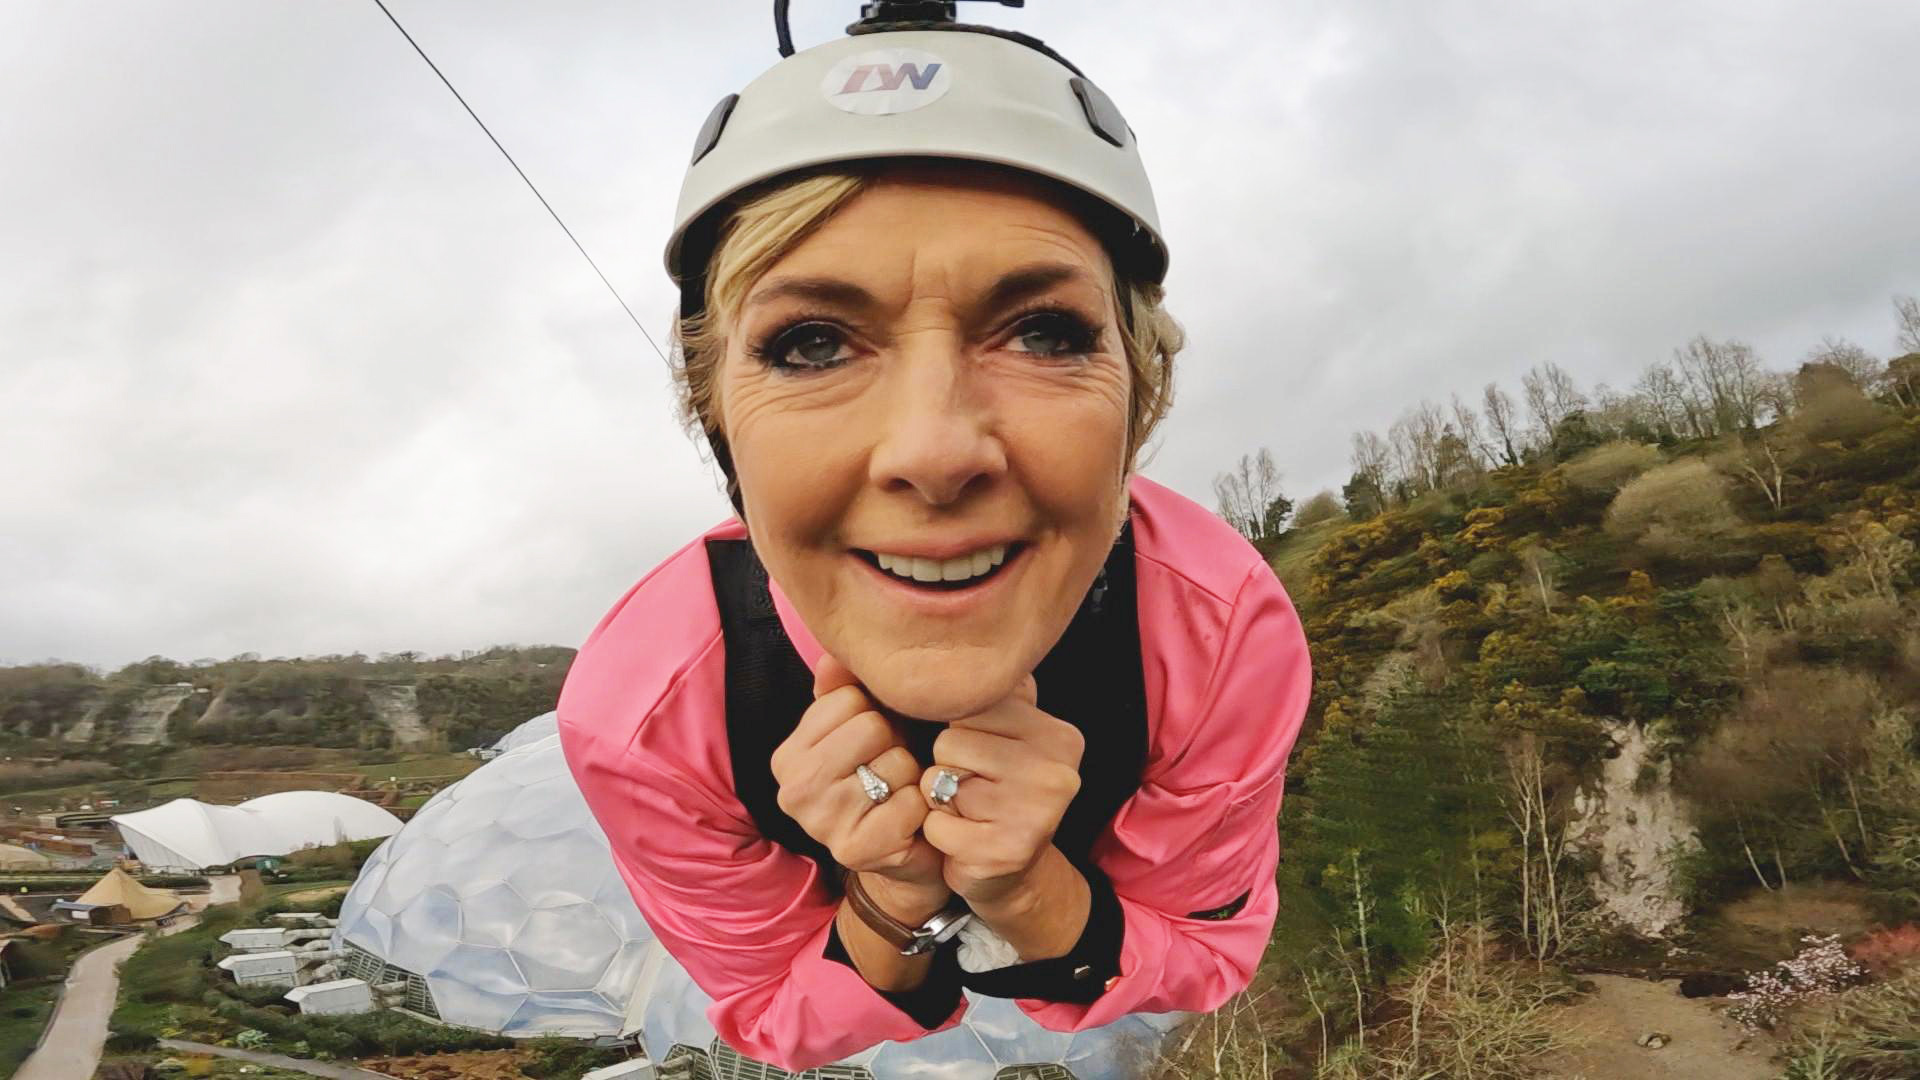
820	290
1014	286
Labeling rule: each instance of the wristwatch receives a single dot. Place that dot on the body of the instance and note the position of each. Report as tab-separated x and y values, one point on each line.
910	940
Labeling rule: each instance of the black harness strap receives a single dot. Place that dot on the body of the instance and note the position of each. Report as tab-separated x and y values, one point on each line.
1092	679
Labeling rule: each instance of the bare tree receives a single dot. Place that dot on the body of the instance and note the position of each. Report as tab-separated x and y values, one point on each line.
1726	381
1371	458
1664	395
1543	844
1466	424
1416	439
1903	378
1761	459
1551	397
1542	565
1500	418
1613	412
1250	496
1860	366
1906	310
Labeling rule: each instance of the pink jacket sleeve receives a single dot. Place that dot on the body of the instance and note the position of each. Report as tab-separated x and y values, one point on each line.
1202	830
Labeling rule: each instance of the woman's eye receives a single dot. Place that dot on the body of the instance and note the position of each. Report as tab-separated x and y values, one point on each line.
1053	334
809	347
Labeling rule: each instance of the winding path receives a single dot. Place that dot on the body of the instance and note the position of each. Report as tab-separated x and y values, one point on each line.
77	1031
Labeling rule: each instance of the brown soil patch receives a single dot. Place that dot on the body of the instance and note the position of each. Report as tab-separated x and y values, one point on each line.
1703	1043
314	896
469	1065
1822	908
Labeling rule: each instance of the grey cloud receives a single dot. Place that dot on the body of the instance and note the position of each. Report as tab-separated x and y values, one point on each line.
289	362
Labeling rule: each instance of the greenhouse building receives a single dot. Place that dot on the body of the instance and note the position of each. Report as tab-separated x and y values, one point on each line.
499	907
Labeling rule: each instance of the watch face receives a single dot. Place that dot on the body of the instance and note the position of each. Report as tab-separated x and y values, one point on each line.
946	933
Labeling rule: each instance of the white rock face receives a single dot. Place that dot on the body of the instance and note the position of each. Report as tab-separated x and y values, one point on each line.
147	720
398	708
1635	833
82	729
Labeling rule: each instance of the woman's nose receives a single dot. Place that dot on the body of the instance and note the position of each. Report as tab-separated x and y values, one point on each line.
938	439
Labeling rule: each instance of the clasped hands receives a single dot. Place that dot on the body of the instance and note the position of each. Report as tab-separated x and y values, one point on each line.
1020	770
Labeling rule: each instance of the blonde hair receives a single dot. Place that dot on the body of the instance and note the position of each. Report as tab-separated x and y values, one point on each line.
765	226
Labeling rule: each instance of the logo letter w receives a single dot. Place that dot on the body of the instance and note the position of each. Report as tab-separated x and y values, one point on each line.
891	78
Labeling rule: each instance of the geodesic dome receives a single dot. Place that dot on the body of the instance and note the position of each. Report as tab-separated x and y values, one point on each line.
528	733
500	908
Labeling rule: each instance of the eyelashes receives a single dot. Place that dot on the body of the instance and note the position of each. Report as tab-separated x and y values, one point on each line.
1056	333
812	343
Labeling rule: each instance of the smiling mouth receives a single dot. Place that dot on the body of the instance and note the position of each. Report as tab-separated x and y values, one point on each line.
942	575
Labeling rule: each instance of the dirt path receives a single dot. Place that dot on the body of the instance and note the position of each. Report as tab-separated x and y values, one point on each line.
78	1029
314	896
225	890
1703	1045
290	1064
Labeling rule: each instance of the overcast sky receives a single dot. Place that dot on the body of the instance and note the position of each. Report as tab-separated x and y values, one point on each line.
291	363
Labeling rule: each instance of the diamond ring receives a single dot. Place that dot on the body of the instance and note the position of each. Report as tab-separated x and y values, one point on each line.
946	784
877	789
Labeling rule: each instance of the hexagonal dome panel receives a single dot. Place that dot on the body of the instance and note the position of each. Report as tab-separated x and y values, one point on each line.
502	896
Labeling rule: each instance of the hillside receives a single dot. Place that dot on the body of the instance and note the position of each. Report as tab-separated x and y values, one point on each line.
1583	682
160	708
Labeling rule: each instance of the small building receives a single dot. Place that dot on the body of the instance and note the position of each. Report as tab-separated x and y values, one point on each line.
133	901
278	968
340	997
255	939
637	1069
93	914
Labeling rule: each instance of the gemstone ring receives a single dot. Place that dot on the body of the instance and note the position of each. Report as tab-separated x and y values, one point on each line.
877	789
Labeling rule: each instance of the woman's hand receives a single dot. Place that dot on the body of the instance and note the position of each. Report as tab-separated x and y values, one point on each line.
1019	770
815	768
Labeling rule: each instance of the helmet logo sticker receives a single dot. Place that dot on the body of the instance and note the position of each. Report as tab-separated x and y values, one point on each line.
882	82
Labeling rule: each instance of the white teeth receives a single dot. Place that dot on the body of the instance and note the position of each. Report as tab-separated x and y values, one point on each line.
957	569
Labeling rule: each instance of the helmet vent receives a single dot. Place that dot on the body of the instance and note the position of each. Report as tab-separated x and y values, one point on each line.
1101	112
709	136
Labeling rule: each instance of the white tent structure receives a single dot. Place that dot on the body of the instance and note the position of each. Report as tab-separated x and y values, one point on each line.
187	834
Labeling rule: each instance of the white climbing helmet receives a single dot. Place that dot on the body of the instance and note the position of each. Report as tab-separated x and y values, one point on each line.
910	83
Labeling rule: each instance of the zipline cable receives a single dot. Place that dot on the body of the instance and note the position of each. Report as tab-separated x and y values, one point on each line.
523	176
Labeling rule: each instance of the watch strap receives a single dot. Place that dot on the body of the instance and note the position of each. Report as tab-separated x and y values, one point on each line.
909	940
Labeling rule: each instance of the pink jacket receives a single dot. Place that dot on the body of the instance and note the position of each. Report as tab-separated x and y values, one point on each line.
642	724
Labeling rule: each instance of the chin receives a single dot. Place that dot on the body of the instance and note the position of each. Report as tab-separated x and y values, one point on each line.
940	690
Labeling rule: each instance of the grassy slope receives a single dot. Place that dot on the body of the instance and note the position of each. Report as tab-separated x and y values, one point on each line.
25	1009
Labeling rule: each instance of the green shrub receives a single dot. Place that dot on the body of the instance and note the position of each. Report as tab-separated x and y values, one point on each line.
558	1059
1870	1033
127	1041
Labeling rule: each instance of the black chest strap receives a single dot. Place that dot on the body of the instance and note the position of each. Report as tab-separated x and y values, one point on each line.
1092	679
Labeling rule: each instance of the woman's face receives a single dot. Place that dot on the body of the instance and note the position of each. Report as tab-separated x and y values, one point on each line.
927	405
